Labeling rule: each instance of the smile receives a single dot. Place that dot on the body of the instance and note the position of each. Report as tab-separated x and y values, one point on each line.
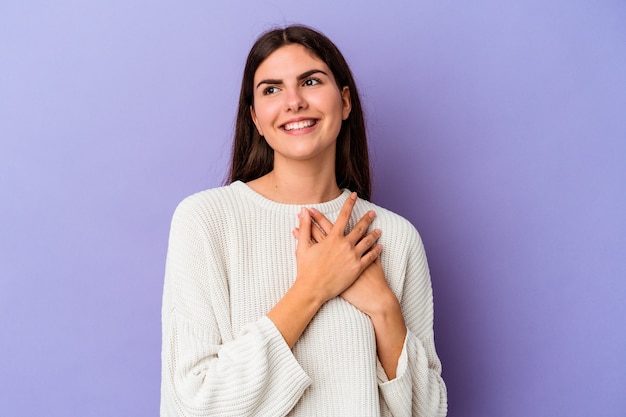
299	125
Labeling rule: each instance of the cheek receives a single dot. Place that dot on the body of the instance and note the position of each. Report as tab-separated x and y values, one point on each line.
330	104
265	122
338	110
265	114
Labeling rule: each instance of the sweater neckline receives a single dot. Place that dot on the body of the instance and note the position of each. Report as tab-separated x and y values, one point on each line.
330	206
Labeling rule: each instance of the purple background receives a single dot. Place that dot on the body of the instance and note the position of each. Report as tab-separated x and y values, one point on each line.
497	128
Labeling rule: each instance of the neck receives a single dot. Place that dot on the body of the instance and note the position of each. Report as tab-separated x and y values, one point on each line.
298	184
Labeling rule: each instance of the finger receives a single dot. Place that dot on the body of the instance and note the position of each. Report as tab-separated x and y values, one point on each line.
344	215
317	235
304	233
325	225
361	227
368	242
317	232
371	256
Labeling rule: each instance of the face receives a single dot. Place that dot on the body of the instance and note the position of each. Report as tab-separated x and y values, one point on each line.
298	107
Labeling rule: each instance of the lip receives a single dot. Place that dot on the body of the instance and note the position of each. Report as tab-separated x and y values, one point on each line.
298	120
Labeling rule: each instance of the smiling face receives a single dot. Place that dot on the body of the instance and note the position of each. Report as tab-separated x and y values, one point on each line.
298	106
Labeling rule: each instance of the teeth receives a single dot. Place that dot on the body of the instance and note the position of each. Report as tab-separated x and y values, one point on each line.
299	125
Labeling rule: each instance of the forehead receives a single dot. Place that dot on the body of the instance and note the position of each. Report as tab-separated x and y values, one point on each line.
289	61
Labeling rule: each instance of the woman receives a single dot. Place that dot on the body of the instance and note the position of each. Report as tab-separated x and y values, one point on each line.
270	309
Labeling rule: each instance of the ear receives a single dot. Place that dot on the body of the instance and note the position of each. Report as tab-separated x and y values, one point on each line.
255	120
346	102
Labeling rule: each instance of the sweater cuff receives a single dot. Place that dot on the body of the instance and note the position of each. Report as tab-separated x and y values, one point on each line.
401	368
397	392
290	366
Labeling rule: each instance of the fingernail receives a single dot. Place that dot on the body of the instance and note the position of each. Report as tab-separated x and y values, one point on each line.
353	196
313	211
371	214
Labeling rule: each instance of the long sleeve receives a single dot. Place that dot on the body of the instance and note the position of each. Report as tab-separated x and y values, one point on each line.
206	370
231	258
418	390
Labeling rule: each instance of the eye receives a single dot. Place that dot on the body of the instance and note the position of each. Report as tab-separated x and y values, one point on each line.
270	90
311	81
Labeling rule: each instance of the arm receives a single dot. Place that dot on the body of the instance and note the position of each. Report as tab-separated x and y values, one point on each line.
417	389
371	294
207	370
325	269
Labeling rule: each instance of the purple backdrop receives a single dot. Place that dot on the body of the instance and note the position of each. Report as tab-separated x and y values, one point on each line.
498	129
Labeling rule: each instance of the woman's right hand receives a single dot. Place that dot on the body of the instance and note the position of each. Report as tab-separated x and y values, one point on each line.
328	263
335	260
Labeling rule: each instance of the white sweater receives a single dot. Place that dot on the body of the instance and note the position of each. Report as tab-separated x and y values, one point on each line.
231	258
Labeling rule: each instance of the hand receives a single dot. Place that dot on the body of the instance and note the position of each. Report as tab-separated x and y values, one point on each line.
330	261
371	294
368	292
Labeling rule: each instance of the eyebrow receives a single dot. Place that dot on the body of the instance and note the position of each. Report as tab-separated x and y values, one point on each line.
300	77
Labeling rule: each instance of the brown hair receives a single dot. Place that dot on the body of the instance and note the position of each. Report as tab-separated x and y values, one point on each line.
252	157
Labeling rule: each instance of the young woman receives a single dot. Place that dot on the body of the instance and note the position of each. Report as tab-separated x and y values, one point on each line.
286	291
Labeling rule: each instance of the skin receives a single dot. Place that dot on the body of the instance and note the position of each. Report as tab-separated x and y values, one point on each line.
294	85
298	109
371	294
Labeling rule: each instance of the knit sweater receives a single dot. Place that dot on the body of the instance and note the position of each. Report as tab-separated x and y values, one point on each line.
231	258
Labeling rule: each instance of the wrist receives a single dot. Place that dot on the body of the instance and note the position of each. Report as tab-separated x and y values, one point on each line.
387	305
390	330
292	314
310	295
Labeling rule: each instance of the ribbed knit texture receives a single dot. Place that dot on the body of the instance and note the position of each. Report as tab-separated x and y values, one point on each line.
231	258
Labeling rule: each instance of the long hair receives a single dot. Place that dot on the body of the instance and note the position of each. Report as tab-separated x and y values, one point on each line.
252	157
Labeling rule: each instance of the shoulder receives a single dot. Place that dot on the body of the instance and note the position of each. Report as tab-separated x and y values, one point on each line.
209	206
207	198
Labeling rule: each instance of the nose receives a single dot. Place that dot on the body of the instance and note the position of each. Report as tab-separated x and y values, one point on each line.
294	100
